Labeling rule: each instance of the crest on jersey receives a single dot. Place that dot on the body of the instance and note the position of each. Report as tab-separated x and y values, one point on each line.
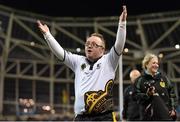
98	66
162	83
83	66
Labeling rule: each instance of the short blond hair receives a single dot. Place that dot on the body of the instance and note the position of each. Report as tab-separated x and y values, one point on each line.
147	58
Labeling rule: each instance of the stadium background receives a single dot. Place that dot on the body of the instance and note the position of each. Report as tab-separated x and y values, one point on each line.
34	85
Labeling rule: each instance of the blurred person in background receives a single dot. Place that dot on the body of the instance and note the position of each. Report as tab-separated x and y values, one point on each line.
130	106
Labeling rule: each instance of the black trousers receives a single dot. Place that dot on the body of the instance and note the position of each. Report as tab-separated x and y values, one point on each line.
106	116
158	111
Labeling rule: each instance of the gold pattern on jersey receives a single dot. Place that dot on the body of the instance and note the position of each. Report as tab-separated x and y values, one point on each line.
99	101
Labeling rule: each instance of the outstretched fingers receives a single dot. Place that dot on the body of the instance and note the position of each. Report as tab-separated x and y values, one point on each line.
39	23
123	14
43	27
124	8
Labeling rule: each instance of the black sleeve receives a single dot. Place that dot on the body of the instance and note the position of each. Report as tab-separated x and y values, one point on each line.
139	94
172	95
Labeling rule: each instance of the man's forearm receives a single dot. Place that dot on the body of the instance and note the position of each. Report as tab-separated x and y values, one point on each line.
54	45
120	37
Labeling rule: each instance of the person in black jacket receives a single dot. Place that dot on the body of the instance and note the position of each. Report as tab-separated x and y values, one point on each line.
155	92
130	107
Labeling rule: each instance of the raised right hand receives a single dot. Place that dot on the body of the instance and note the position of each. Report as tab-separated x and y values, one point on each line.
42	27
123	15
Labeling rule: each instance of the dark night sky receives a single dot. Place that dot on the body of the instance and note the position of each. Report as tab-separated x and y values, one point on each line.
92	8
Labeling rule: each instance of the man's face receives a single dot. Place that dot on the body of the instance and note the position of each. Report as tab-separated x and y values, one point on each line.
153	65
94	48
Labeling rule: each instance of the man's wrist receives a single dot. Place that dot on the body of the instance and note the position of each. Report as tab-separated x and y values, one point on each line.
122	22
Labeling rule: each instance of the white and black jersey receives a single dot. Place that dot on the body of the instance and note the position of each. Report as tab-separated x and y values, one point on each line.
93	81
